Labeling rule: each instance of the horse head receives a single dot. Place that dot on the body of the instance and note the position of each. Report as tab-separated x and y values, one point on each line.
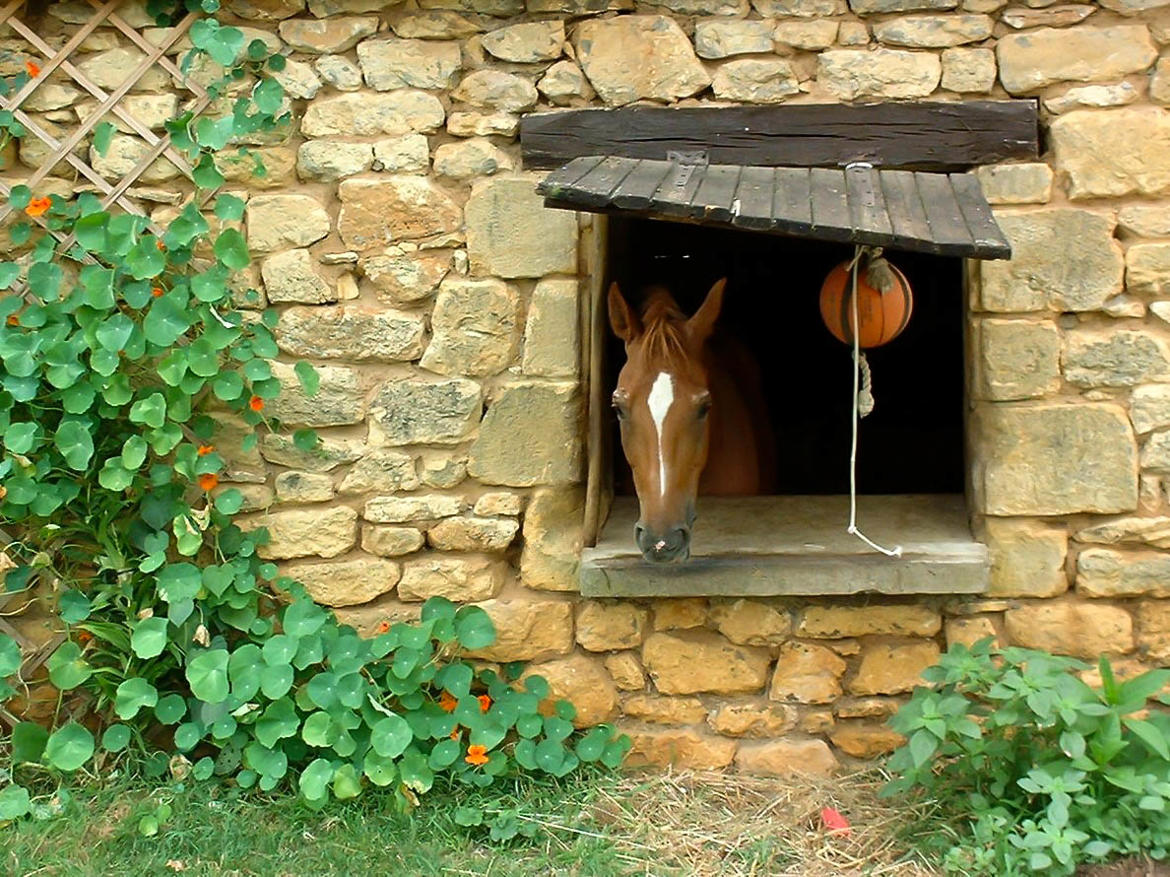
662	401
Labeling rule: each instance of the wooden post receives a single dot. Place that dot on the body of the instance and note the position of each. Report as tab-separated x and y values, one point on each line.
595	345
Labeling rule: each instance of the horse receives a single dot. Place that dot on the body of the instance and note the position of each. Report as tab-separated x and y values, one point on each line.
692	416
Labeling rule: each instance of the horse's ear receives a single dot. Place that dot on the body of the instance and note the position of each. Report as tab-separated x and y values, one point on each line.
700	326
624	321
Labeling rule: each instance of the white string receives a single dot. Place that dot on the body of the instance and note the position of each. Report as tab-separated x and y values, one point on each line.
896	551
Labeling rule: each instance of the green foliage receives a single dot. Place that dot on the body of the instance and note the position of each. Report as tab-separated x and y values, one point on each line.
1037	770
120	355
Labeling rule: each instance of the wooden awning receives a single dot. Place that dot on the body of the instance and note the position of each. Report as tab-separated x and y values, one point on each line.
941	213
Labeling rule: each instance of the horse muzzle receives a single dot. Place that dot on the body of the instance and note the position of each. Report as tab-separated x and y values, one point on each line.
670	546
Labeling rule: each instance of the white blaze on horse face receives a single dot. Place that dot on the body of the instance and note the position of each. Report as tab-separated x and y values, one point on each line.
659	401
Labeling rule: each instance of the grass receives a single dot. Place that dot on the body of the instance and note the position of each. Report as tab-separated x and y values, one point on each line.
601	825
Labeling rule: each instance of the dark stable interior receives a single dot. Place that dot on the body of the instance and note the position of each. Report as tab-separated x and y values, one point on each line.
913	440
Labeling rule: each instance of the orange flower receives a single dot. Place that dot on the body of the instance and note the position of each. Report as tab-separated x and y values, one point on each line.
157	292
162	248
13	320
447	702
204	450
256	403
33	70
83	637
456	734
384	627
485	703
477	755
208	481
38	206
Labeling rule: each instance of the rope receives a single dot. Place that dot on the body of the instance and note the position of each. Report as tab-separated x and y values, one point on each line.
862	399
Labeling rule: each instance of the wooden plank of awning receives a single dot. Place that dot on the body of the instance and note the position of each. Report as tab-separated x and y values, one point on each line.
939	213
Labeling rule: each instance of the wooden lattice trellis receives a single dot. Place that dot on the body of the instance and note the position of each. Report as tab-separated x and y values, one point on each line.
58	64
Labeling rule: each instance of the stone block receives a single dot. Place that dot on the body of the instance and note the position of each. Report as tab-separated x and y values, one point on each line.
722	39
326	456
553	536
1063	259
1103	572
807	673
750	623
863	740
469	124
510	233
1083	630
664	710
1054	459
756	80
496	91
1023	183
499	502
404	509
733	8
800	8
339	71
265	10
968	71
364	114
1153	617
326	532
667	68
379	212
933	31
391	541
892	668
461	579
605	626
380	470
836	622
328	160
1115	357
406	279
412	411
442	470
584	682
475	326
810	36
1083	53
499	8
357	332
753	719
391	63
123	154
696	661
530	435
787	758
329	36
279	165
527	43
303	487
473	534
1027	558
853	33
563	83
475	157
1018	359
1160	82
346	582
626	671
1149	407
681	613
299	80
528	630
292	276
866	707
1147	269
1156	453
1101	164
968	631
1092	96
683	748
1145	220
853	74
276	222
552	343
338	401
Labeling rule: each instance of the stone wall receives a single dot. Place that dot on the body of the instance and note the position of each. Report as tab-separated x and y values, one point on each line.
402	243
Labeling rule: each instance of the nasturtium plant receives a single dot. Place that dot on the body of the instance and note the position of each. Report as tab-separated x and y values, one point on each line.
123	348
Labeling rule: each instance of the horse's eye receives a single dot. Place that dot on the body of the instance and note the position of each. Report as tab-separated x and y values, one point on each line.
619	410
704	409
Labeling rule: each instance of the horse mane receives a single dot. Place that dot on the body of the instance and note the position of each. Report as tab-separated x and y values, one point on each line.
663	327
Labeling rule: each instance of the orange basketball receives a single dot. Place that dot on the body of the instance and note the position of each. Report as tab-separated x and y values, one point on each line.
882	315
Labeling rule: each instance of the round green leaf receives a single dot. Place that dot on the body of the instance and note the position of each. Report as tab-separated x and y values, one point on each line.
549	755
69	747
134	452
230	501
9	655
73	607
149	637
279	720
265	761
307	375
28	742
208	676
346	783
19	438
231	248
67	669
314	781
276	681
14	802
132	695
114	331
73	440
380	770
116	738
474	628
187	736
592	745
390	736
170	709
444	754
